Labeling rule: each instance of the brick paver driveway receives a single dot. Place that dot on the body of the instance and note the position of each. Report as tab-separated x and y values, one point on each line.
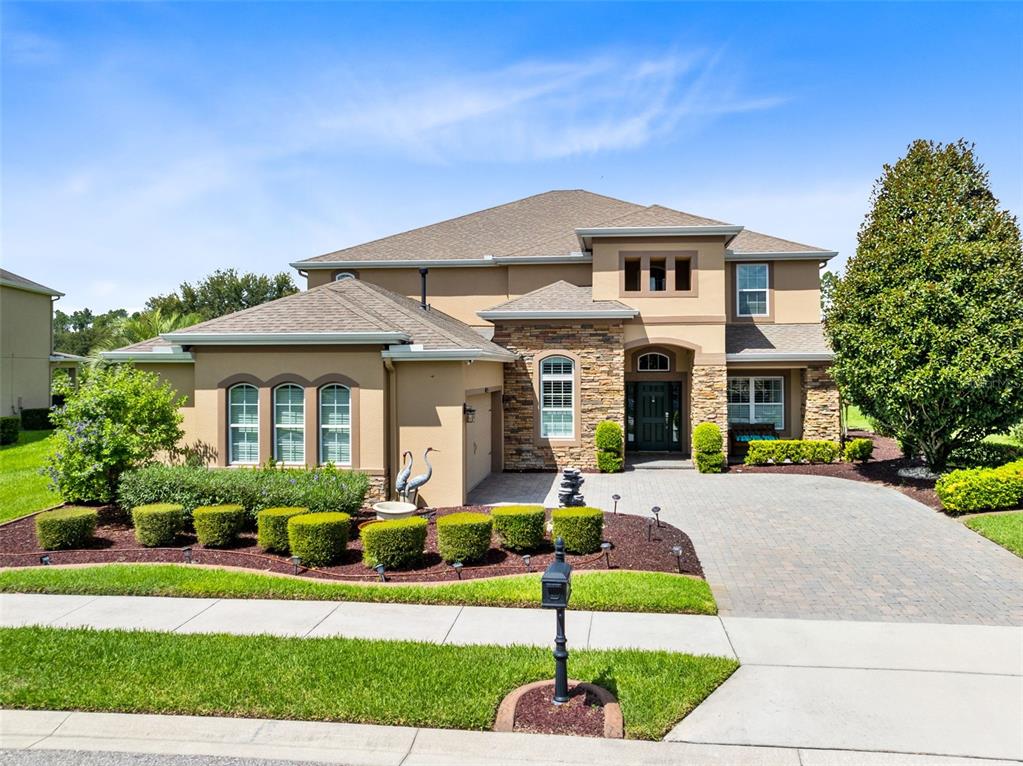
811	547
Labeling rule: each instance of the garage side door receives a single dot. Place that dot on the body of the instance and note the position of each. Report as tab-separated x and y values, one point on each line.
478	441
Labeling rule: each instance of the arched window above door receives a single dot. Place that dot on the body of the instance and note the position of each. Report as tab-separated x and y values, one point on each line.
653	361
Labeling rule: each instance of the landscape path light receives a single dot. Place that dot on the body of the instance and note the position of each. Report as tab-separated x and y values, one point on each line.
382	571
526	558
296	562
457	566
556	589
616	498
656	511
186	553
606	548
677	550
45	559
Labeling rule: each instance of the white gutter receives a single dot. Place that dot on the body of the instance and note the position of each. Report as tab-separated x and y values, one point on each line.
60	356
287	338
149	357
772	356
487	261
568	314
795	255
416	353
660	231
39	290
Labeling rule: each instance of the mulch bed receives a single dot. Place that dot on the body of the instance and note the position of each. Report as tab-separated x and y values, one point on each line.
114	541
882	468
582	715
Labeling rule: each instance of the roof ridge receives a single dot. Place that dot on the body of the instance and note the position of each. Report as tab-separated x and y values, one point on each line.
353	306
670	210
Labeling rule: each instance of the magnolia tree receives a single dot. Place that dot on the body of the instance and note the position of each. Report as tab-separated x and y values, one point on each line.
118	418
926	323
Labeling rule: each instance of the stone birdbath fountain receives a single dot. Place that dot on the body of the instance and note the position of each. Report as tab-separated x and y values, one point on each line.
407	489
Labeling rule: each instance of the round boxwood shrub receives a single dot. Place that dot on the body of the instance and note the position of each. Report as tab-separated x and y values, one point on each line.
580	528
318	539
859	450
65	528
519	527
158	524
707	438
272	528
464	537
396	544
218	525
710	462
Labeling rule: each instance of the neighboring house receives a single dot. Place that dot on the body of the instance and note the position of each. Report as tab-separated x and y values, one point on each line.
502	338
26	344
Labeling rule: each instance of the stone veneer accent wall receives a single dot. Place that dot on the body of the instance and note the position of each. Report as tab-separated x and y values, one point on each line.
820	404
377	491
599	347
708	401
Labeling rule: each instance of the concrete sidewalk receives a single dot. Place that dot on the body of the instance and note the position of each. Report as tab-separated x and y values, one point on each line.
954	690
252	740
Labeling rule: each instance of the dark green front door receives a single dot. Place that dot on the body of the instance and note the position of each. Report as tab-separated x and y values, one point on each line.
653	418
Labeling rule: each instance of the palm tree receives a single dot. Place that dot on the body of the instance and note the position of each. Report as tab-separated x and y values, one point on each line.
143	325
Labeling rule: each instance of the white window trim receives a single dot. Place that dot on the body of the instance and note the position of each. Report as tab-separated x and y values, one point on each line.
667	362
766	290
341	276
277	426
232	425
322	427
752	404
570	377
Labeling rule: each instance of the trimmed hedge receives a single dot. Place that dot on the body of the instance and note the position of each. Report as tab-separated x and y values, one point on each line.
610	443
520	527
10	427
581	528
982	489
36	419
793	450
396	544
464	536
319	539
708	448
858	450
65	528
984	455
218	525
321	490
272	528
157	524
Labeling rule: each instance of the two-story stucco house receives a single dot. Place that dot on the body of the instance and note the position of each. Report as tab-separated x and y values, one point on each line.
503	337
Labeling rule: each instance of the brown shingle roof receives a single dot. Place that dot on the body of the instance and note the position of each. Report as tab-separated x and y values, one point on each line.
349	306
757	340
541	225
10	279
559	299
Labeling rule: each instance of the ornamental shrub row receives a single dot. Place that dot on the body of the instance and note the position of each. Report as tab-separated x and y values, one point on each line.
319	539
65	528
520	528
708	448
984	455
10	427
610	444
36	419
320	490
581	528
982	489
464	537
157	524
396	544
217	526
272	528
858	450
792	450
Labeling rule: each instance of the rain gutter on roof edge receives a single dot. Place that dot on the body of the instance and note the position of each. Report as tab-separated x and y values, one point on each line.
771	356
608	314
60	356
795	255
448	263
40	290
446	355
729	231
284	338
149	357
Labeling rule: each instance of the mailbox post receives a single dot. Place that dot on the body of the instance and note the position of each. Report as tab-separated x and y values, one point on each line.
556	590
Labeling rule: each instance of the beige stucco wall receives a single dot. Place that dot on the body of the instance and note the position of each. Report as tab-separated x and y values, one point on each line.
25	327
794	294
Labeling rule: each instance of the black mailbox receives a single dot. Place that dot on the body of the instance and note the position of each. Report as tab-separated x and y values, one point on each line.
557	580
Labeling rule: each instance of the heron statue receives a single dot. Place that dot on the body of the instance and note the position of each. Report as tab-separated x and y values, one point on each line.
412	488
401	482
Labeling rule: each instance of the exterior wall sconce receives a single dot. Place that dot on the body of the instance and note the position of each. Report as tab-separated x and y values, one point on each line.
470	413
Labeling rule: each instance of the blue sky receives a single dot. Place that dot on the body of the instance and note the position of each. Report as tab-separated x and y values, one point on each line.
146	144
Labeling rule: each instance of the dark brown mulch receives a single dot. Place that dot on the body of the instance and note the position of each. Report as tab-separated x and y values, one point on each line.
115	542
582	715
882	468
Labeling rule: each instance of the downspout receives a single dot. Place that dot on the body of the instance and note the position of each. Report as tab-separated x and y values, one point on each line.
391	428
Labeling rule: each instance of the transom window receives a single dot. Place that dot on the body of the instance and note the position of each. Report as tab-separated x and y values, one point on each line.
341	276
243	424
557	410
654	361
751	289
289	424
757	400
335	425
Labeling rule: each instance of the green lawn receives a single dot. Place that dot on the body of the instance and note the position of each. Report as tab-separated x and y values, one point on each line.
329	679
22	488
614	591
855	420
1006	529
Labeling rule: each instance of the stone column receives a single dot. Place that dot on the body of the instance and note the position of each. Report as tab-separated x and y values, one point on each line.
709	399
820	404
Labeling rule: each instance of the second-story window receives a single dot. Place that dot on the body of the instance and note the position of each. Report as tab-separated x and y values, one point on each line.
289	424
658	275
751	289
683	275
633	274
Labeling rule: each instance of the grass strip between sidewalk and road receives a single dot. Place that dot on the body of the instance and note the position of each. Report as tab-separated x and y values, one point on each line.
397	683
1006	529
611	591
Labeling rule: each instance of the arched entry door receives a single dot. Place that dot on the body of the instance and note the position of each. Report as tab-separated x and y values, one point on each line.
654	392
